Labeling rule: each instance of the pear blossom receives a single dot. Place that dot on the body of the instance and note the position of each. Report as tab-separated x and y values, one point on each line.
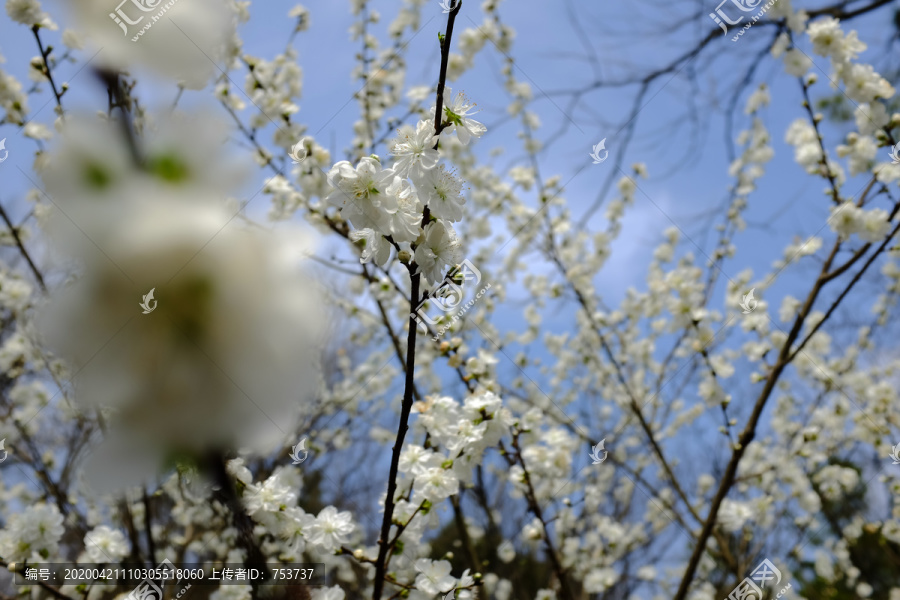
29	12
331	528
569	347
36	529
441	191
232	591
414	149
796	63
437	248
327	593
105	545
167	49
434	576
733	515
456	113
437	483
374	246
404	223
360	193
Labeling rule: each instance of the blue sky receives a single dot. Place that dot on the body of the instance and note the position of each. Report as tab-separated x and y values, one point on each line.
686	153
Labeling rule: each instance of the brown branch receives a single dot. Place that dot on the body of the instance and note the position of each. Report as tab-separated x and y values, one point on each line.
535	507
46	67
405	409
749	433
21	246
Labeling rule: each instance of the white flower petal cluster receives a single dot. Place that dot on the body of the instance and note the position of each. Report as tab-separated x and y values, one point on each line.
273	504
467	429
733	515
861	82
273	87
388	206
232	591
434	577
29	12
182	40
437	248
232	343
32	533
441	190
13	99
331	529
870	225
105	545
414	150
458	113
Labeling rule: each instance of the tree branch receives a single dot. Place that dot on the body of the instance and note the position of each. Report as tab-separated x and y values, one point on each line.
415	282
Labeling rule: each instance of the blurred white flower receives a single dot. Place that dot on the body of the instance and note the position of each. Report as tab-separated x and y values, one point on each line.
37	131
72	39
374	246
360	193
733	515
441	190
228	355
600	580
183	40
506	552
13	99
331	528
34	531
434	576
437	248
299	152
105	545
324	593
28	12
437	483
232	591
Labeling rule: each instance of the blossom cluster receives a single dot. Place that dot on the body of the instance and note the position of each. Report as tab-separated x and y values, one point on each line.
386	204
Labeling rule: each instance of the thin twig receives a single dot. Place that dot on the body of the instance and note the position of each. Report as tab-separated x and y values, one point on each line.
21	246
405	409
44	54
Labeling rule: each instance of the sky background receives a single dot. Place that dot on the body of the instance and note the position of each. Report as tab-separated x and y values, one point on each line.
680	134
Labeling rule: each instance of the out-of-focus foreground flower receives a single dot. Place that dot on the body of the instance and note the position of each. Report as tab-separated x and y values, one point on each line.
228	353
185	41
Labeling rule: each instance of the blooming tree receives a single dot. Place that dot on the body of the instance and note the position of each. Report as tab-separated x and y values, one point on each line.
310	387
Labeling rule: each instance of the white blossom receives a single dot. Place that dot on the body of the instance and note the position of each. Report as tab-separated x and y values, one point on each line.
457	114
437	247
